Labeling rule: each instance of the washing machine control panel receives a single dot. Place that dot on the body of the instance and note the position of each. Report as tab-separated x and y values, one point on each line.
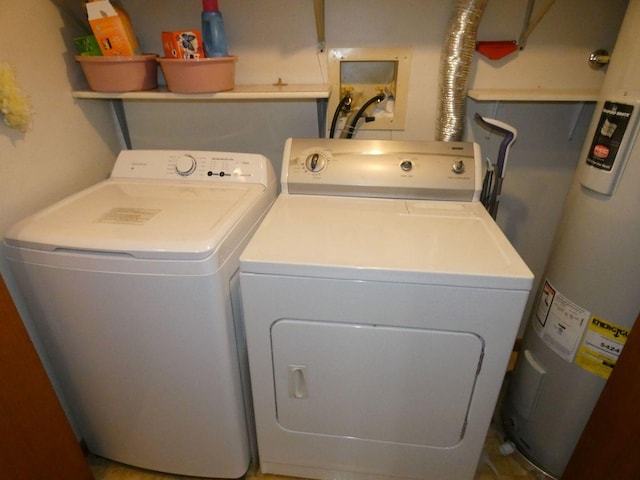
382	168
228	167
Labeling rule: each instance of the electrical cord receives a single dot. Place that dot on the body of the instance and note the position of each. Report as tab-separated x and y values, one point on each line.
344	102
350	129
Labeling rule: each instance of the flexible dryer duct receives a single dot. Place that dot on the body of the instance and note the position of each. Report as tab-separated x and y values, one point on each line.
455	61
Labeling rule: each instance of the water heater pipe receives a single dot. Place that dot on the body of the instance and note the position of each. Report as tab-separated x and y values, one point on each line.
455	62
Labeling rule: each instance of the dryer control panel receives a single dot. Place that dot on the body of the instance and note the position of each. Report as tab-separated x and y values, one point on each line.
382	168
194	165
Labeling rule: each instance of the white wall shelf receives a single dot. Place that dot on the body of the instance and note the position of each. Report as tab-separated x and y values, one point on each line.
240	92
533	95
276	92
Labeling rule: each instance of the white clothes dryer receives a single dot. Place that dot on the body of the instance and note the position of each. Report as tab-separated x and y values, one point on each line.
381	303
132	286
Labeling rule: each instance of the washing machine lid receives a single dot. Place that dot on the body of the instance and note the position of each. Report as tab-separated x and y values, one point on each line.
392	240
145	219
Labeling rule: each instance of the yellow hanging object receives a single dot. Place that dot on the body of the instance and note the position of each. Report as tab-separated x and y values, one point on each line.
15	107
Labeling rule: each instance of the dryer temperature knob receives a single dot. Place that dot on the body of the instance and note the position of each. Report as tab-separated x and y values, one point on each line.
186	165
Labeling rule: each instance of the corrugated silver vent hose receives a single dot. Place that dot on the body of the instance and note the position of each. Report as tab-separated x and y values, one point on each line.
455	61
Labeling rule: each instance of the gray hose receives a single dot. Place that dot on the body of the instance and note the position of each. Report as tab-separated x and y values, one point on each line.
455	61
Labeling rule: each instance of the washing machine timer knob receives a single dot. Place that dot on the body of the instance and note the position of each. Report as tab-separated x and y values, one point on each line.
315	162
186	165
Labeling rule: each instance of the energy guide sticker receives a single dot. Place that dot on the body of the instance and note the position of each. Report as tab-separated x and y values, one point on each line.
129	216
601	347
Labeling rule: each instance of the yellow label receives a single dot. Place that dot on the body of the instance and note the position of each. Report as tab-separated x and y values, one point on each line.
601	347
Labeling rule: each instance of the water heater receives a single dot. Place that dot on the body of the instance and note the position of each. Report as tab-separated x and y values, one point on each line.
590	294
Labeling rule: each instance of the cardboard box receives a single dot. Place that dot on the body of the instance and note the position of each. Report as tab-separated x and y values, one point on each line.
112	29
185	45
87	45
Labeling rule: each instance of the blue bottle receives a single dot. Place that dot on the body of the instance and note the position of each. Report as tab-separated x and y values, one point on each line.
213	34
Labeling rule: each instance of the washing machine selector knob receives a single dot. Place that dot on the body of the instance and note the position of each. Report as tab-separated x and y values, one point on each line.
186	165
316	162
458	167
406	165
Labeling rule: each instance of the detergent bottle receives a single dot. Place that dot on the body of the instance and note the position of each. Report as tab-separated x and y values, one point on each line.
213	34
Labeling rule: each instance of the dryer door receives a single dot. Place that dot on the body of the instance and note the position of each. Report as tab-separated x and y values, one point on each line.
336	379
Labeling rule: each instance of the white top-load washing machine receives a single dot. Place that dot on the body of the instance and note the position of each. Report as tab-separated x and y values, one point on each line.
133	290
381	303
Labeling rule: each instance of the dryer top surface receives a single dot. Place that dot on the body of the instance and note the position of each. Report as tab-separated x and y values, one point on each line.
416	241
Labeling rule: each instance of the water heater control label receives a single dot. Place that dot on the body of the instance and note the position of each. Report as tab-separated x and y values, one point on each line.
613	123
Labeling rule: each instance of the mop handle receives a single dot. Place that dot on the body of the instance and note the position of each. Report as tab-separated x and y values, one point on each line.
510	135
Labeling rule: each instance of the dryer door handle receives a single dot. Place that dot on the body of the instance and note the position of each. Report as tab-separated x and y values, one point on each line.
297	381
